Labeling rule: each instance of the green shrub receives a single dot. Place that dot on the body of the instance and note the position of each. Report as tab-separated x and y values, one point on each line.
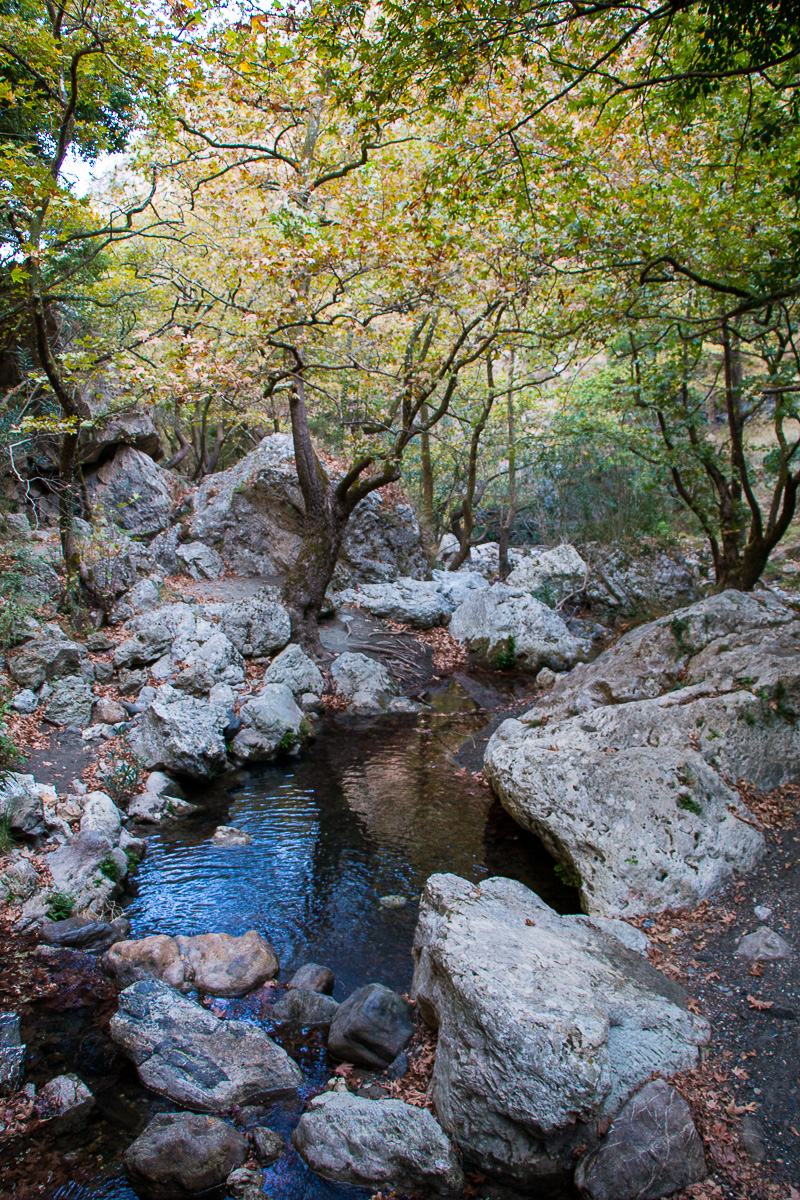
7	838
506	659
568	875
110	868
60	906
122	777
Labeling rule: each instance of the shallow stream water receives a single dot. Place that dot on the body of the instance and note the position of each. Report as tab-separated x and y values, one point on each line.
370	811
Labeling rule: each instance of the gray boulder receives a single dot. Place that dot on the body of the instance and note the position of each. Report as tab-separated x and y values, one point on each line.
719	642
82	933
302	1007
245	1183
417	602
634	802
70	702
63	1105
100	817
369	1143
21	805
651	1150
199	561
111	429
45	659
545	1026
161	800
294	668
150	642
254	512
134	492
258	626
313	978
185	1053
183	1154
550	575
507	623
214	963
184	736
106	711
25	702
364	682
271	722
89	868
646	579
371	1027
18	879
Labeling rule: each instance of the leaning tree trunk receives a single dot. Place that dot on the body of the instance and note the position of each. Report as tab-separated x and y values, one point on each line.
309	576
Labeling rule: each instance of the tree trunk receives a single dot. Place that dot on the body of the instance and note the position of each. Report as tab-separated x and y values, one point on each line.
508	523
326	519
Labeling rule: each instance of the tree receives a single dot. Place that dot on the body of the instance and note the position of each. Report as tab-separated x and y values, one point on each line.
307	257
75	79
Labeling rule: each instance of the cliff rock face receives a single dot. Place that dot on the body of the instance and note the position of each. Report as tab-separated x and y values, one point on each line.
253	514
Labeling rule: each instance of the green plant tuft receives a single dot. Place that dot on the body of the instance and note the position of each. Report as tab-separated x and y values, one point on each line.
60	906
111	868
568	875
506	659
690	805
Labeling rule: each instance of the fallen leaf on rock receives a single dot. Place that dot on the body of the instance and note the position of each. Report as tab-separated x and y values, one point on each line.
759	1005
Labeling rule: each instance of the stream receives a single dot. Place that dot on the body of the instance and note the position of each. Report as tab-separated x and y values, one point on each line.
369	812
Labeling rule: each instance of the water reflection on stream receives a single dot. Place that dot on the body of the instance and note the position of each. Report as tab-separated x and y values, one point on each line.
372	810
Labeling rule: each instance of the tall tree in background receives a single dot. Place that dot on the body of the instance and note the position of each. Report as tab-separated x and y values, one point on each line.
76	79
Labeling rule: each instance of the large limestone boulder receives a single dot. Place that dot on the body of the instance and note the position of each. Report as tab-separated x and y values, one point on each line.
271	722
550	575
183	1154
185	1053
214	963
545	1023
70	702
199	561
134	492
364	682
44	659
727	641
639	580
89	868
182	735
509	624
296	670
417	602
635	802
371	1143
21	805
253	514
109	430
257	626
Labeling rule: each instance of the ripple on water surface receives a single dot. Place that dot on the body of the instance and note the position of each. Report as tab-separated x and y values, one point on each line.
369	813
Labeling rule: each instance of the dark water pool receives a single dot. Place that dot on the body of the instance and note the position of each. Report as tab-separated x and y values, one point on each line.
370	812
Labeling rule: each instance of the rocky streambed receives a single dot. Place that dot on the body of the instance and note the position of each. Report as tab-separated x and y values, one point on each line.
537	1048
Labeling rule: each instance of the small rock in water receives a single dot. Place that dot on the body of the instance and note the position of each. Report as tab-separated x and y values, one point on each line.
762	913
394	901
765	945
313	978
64	1103
269	1145
229	835
184	1153
245	1184
371	1027
301	1007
